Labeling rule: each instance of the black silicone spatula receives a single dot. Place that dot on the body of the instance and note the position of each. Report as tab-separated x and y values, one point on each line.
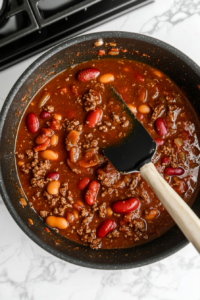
136	149
135	154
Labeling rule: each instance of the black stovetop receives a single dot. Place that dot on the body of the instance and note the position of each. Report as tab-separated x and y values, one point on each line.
30	26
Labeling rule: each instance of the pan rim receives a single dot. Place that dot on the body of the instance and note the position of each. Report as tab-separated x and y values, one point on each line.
3	115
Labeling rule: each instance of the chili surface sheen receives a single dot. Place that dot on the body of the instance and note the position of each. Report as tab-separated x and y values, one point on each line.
64	175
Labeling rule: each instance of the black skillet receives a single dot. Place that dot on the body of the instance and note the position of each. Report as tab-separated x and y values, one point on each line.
182	70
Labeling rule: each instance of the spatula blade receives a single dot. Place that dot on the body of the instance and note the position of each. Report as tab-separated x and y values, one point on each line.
136	149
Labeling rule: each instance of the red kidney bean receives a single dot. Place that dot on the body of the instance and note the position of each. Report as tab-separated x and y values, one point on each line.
53	176
83	183
42	138
125	206
161	126
45	115
55	125
159	142
174	171
139	77
91	192
47	131
42	147
32	122
165	160
94	117
88	74
105	228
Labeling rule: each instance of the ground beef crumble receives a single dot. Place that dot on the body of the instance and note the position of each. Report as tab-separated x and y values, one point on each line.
172	111
48	108
29	153
72	125
84	212
25	168
169	151
138	225
39	169
102	210
108	175
157	110
43	213
113	234
63	189
87	220
119	120
20	155
91	100
47	195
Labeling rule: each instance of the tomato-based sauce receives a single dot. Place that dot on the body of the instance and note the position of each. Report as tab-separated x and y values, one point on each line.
67	179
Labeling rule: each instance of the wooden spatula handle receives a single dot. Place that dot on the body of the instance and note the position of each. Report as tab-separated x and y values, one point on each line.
182	214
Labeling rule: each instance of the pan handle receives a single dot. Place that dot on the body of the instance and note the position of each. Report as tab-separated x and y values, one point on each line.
182	214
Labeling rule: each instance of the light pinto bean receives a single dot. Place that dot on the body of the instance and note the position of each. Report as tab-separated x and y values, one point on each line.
54	140
76	214
144	109
20	163
106	78
133	108
109	211
158	73
150	215
58	222
53	187
49	154
70	217
57	117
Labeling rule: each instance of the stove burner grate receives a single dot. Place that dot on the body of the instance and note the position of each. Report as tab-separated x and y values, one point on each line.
30	26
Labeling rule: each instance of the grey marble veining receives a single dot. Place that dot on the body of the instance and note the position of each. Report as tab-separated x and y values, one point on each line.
27	272
180	10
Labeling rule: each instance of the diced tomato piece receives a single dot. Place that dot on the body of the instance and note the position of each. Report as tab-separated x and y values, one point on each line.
72	139
42	147
55	125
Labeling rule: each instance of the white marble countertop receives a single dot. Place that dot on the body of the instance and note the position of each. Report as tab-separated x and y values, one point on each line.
27	272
